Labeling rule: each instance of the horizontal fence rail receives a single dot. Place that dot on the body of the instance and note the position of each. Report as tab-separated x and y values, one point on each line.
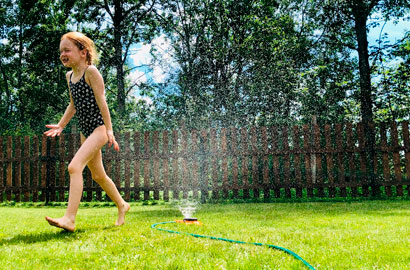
259	162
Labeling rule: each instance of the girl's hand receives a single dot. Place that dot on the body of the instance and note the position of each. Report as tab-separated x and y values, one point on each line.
112	141
55	130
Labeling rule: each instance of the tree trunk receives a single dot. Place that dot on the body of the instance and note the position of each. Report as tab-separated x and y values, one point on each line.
118	17
364	66
361	12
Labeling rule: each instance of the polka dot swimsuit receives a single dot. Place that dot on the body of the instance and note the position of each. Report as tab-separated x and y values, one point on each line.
87	110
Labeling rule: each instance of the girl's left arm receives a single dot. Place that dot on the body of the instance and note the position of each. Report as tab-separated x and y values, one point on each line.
96	82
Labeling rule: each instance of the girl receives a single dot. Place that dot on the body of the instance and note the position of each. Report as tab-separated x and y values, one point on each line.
87	99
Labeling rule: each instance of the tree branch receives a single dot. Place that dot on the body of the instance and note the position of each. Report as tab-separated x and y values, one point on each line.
107	8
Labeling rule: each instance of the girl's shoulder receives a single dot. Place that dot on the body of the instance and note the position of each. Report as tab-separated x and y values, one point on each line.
91	74
91	71
68	77
68	74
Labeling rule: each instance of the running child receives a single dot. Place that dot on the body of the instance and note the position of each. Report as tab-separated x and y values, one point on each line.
87	101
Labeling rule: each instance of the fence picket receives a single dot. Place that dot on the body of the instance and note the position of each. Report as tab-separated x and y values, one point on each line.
36	162
286	162
175	165
184	161
340	160
204	150
26	169
224	152
375	181
385	160
350	148
1	170
363	179
146	165
317	169
235	167
137	166
245	164
308	149
156	165
396	159
127	166
275	151
9	170
17	168
43	183
296	161
329	162
214	163
194	161
165	164
62	168
255	162
406	142
265	163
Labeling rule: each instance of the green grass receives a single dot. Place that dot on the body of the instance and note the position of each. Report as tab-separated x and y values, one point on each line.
329	235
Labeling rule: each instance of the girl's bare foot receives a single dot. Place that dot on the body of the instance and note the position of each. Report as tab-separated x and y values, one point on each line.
122	210
63	223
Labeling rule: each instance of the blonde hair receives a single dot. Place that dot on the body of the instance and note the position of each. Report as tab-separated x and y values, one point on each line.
83	42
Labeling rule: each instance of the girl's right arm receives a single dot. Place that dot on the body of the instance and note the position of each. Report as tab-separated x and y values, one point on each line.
55	130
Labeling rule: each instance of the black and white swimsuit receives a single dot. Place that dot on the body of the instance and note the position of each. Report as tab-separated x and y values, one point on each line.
87	110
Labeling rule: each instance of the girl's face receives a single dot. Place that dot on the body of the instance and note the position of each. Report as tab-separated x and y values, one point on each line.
70	54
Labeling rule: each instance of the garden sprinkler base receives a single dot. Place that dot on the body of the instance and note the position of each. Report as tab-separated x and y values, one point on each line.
189	221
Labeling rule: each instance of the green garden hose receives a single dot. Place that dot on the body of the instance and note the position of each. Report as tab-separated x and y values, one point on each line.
290	252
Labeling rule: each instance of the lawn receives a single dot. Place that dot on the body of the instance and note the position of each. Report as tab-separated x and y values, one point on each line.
328	235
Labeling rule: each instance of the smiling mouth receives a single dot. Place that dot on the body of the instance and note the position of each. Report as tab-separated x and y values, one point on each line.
64	60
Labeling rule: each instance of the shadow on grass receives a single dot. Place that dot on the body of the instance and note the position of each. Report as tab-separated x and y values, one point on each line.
33	238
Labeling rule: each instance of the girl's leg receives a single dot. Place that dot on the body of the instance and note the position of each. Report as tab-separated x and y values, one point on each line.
90	147
99	175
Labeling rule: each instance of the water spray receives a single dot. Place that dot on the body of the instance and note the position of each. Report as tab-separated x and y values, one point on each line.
188	208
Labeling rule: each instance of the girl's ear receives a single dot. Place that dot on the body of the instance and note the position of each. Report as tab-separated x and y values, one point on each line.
84	52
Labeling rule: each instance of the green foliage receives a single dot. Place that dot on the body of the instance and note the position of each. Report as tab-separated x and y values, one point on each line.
238	63
33	86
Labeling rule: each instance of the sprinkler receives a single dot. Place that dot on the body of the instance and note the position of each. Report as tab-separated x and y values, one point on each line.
187	209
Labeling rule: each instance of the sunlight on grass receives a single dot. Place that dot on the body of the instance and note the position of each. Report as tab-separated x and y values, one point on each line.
355	235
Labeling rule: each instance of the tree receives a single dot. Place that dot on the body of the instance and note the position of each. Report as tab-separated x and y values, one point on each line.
32	78
238	62
393	87
117	25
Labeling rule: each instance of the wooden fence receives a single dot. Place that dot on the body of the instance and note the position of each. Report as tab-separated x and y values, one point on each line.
299	161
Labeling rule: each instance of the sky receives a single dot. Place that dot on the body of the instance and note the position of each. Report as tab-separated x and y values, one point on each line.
395	31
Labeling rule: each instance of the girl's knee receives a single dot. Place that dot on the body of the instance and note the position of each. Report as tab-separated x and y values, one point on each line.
99	178
74	168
